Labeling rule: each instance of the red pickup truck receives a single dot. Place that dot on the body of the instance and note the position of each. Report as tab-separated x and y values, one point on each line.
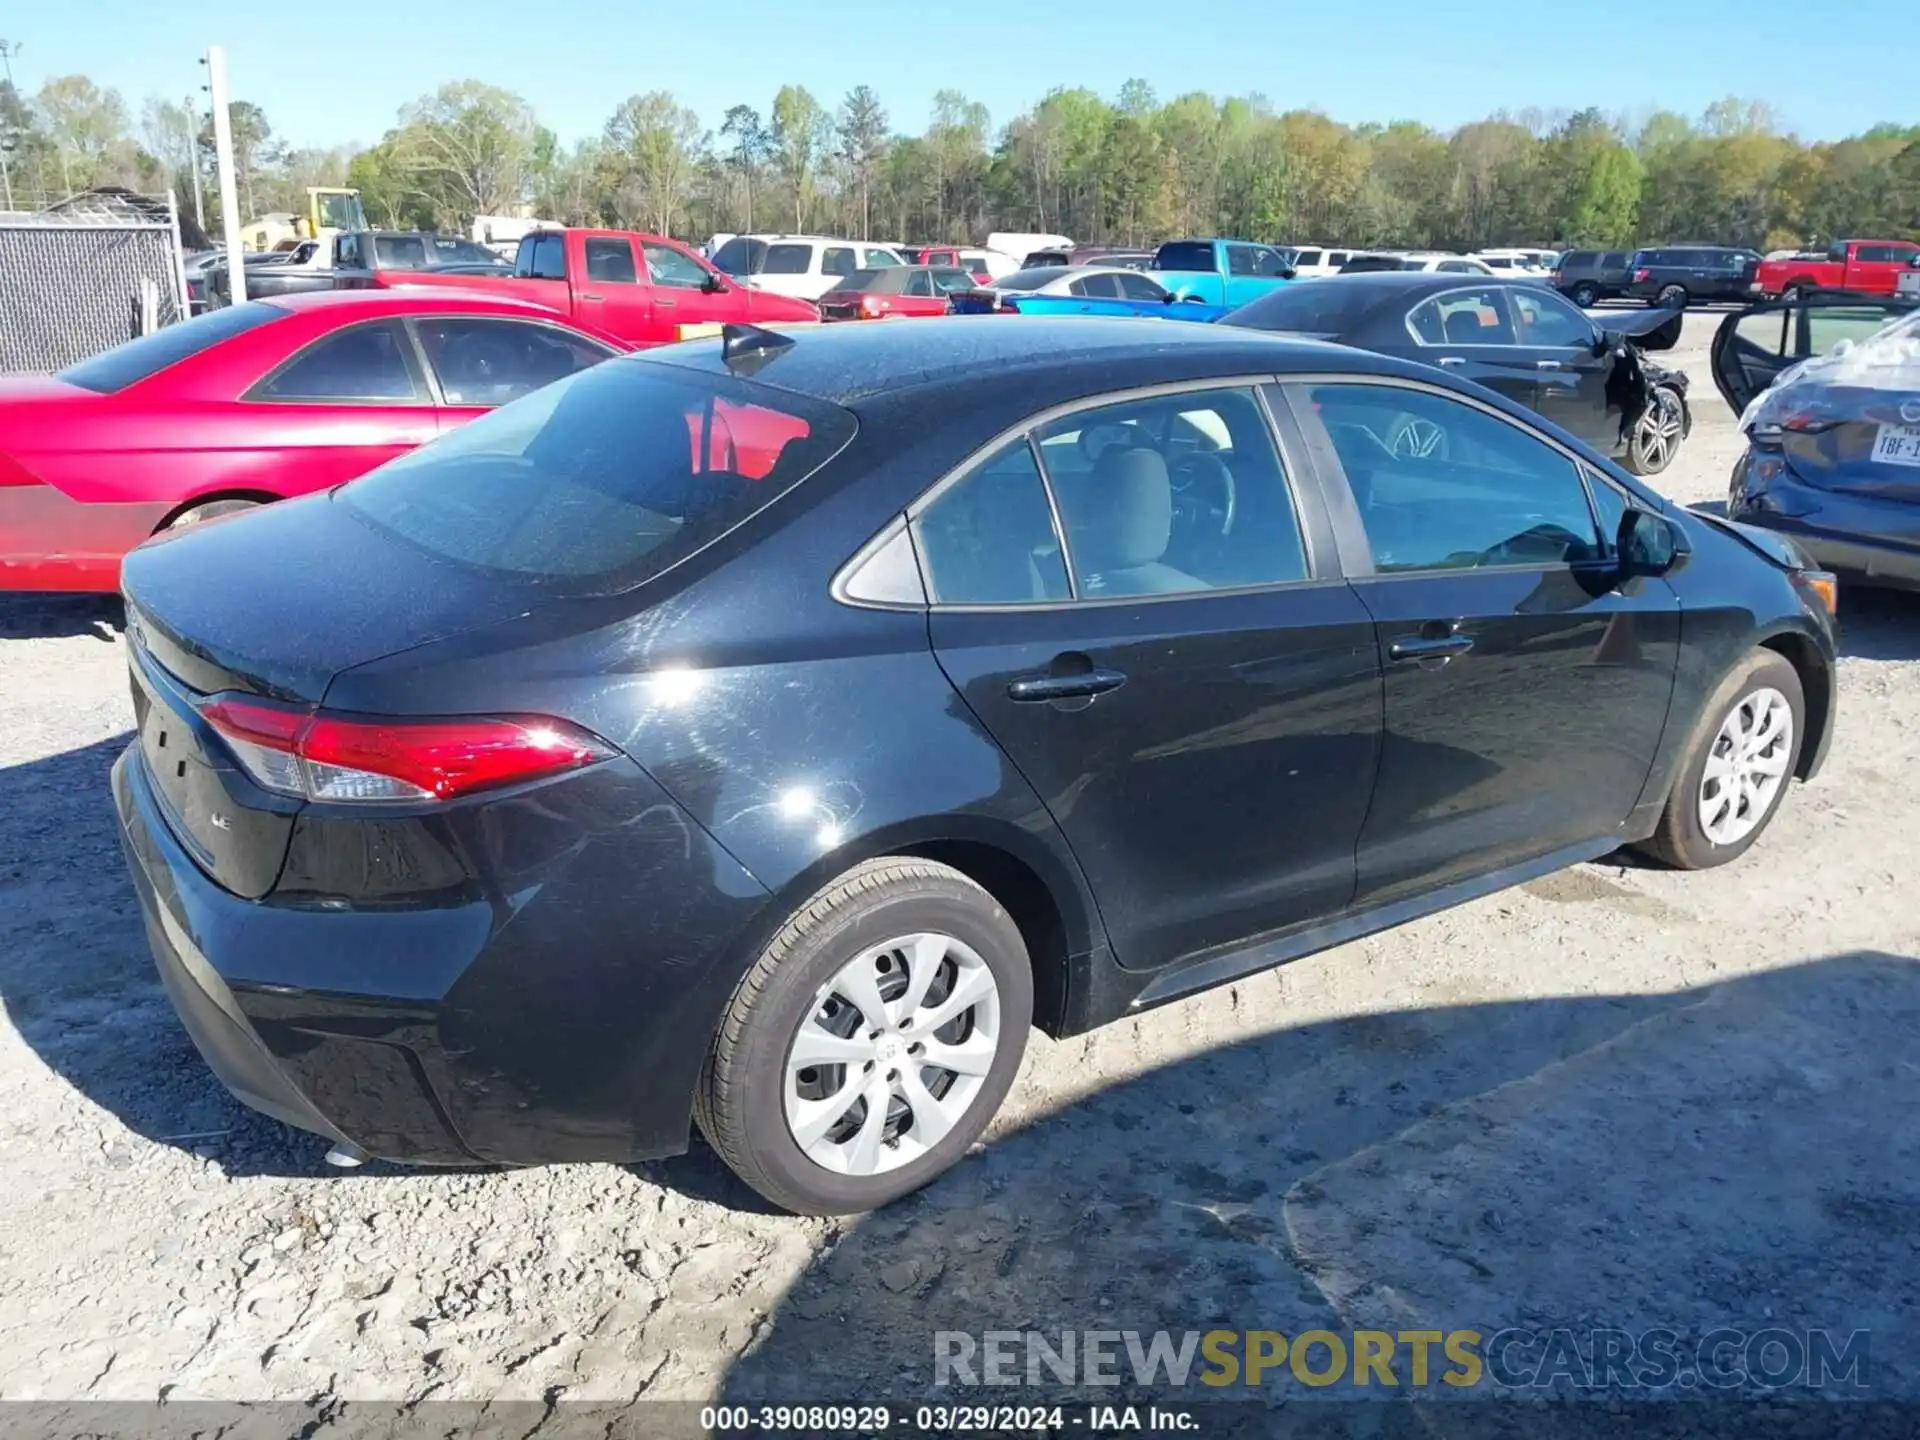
643	289
1870	267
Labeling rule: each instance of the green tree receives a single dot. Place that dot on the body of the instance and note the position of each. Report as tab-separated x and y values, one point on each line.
801	136
863	145
653	147
469	148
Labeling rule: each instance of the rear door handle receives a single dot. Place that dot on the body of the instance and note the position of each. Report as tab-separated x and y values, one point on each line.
589	295
1453	359
1548	365
666	304
1430	647
1065	687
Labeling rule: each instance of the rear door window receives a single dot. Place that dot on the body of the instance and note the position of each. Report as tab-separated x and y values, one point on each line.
787	260
988	538
1463	317
1134	286
837	260
1099	287
610	259
604	479
368	364
489	362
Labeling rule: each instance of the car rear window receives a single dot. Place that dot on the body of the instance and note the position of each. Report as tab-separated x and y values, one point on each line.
401	252
1313	307
1032	279
890	281
600	481
134	361
1184	255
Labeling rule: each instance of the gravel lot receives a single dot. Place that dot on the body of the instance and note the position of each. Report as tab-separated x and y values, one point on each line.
1616	1096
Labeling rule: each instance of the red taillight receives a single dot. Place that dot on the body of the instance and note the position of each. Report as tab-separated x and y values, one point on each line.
361	759
873	307
1642	276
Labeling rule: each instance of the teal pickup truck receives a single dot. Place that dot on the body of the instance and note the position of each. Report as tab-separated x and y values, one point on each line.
1227	273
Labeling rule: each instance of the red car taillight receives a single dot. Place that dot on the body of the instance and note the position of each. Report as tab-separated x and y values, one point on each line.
360	759
1641	276
872	307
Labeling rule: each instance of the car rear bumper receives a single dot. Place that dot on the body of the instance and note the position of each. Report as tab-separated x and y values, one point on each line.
538	1028
1868	541
50	541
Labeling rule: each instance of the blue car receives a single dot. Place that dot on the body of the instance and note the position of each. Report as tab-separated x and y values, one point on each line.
1081	290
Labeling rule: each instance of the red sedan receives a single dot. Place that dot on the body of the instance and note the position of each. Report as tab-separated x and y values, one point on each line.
898	290
250	404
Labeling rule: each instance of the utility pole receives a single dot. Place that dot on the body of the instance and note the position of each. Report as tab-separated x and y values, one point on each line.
193	163
9	133
216	63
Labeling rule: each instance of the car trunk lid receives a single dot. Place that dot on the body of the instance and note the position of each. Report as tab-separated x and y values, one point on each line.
274	603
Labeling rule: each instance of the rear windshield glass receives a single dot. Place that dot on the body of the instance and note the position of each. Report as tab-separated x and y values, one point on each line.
889	281
134	361
1028	279
1188	255
1314	307
602	480
401	252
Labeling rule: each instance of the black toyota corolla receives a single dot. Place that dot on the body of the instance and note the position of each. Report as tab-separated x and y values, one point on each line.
768	731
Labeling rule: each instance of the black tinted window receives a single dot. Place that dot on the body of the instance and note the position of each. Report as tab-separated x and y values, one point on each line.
1463	317
1577	259
611	260
1030	279
363	362
1442	485
489	362
1138	287
786	260
605	478
542	257
1173	494
1184	255
1614	259
1316	307
740	256
988	539
838	260
134	361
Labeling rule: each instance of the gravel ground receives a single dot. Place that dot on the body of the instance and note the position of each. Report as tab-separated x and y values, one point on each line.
1616	1096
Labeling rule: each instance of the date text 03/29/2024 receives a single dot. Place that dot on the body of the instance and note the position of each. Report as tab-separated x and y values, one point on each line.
946	1419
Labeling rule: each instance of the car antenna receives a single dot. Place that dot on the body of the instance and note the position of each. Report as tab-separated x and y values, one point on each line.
745	348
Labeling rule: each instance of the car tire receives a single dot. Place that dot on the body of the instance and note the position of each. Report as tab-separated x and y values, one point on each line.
1694	832
870	930
1585	296
1672	297
208	510
1658	434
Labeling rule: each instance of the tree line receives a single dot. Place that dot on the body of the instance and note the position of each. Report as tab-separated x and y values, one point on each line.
1122	171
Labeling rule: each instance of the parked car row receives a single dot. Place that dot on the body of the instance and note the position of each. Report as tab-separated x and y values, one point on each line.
1674	276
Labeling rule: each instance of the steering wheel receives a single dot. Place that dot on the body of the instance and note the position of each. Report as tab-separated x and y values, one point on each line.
1205	495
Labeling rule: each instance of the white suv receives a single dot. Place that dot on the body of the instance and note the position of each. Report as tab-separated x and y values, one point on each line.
803	266
1319	260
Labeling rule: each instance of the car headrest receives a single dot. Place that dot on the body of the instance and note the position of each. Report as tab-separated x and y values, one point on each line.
1134	500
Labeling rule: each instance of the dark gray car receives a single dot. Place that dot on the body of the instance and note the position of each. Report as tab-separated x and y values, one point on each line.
1828	390
1587	277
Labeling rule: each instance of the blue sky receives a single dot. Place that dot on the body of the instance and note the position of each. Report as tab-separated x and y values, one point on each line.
323	80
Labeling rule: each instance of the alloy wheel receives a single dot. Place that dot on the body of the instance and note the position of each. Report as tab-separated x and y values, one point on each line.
1657	434
1746	766
892	1054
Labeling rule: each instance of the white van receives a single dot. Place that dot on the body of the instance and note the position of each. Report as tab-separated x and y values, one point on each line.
803	266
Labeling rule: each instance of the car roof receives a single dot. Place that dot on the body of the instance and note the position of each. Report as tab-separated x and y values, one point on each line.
1045	359
406	299
1418	281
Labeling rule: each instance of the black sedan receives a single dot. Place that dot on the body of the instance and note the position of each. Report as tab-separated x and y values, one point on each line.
1827	387
768	731
1516	337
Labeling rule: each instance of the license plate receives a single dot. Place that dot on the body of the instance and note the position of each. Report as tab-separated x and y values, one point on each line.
1897	445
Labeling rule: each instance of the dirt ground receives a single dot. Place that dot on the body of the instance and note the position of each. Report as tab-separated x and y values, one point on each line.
1614	1097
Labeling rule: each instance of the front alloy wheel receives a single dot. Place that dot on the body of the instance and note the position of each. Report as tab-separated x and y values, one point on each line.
872	1040
1734	775
1657	434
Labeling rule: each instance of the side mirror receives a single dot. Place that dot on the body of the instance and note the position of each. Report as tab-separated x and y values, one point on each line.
1194	299
713	284
1650	544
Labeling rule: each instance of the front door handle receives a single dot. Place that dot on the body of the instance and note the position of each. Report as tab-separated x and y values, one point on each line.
1066	687
1430	647
590	295
666	304
1453	359
1548	365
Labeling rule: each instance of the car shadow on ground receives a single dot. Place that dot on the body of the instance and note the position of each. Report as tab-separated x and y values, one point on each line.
1879	624
1742	1155
39	617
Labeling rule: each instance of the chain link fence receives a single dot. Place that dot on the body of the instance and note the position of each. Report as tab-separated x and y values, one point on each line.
75	283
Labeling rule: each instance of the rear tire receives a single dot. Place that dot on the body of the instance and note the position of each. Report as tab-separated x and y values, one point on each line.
1585	296
1711	820
209	510
855	981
